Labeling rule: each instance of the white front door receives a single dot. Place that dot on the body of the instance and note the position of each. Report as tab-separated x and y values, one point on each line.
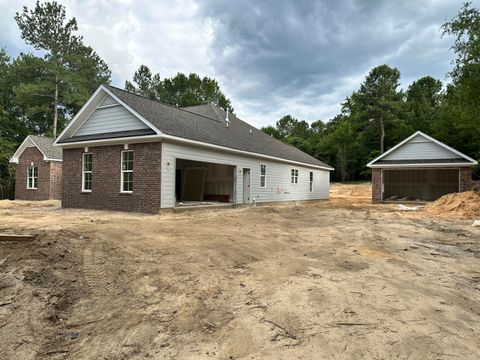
246	186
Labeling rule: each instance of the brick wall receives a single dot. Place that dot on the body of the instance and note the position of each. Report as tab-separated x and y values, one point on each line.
56	180
42	192
376	186
465	179
106	175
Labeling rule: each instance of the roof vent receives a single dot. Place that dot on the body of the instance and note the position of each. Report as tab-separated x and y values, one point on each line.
250	131
227	120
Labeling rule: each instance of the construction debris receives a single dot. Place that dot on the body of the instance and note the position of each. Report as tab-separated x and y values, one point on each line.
16	237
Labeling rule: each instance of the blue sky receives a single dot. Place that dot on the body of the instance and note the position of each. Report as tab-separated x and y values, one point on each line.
270	57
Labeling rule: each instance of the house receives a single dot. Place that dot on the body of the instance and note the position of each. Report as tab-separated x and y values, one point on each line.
420	168
126	152
38	173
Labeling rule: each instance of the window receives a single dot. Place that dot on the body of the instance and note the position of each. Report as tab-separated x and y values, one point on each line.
127	171
263	176
311	181
87	173
294	176
32	177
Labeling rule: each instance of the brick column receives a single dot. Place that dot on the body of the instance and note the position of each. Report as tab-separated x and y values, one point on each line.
465	179
376	186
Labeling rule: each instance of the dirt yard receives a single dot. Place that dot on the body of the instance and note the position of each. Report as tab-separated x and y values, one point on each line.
338	279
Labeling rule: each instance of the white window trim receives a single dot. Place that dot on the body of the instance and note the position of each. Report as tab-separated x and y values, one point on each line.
294	177
311	181
33	187
84	172
264	176
123	172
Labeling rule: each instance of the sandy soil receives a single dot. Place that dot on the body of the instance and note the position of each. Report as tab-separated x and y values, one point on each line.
338	279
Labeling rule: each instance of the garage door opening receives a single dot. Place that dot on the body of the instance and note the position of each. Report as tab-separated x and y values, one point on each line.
419	185
203	184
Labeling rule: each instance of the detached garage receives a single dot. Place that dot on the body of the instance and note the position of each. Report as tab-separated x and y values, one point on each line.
421	169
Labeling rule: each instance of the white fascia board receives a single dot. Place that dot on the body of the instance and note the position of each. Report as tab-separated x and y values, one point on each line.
243	152
432	165
371	163
113	141
393	148
474	162
75	118
85	106
15	157
148	123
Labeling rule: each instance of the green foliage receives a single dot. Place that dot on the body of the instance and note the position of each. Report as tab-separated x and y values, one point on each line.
69	72
39	94
180	90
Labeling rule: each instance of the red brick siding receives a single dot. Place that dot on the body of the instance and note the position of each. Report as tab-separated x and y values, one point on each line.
106	177
56	180
465	179
376	186
32	154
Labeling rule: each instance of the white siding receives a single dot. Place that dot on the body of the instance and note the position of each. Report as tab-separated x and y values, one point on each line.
108	101
420	148
278	186
110	119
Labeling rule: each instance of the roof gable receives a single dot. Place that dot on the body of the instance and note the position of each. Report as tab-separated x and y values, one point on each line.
43	144
420	148
107	116
203	124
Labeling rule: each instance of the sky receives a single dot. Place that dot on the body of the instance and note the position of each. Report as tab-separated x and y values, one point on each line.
272	57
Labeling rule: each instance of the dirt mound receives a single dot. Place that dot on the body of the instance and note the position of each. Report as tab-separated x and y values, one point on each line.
465	205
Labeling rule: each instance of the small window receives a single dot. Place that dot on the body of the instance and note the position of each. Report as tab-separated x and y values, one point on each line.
87	173
263	176
127	171
294	176
311	181
32	177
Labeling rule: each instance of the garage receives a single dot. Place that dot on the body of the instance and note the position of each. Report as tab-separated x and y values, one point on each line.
420	169
203	183
419	184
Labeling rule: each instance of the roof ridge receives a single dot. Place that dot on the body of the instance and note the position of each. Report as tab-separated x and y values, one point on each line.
164	103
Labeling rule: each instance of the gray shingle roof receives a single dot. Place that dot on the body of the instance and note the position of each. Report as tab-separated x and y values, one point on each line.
45	145
206	124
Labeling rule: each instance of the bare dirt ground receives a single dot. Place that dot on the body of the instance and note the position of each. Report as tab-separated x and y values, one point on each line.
338	279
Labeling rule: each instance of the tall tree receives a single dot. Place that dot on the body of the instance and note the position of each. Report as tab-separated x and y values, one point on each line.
379	100
423	104
460	117
73	69
180	90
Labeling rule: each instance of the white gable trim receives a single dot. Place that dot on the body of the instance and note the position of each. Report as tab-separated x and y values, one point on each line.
371	164
28	141
76	119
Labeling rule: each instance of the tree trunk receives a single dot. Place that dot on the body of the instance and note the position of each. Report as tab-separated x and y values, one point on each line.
55	108
382	135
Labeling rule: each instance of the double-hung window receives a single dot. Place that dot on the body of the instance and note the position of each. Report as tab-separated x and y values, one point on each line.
294	176
311	181
87	172
127	171
32	177
263	175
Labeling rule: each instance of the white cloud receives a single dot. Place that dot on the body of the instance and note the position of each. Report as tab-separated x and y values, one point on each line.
272	58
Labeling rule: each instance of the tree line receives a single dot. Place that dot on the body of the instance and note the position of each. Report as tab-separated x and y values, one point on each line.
380	114
41	91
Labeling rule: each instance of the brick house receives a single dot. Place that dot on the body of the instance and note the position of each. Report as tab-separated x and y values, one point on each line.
126	152
420	168
38	174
